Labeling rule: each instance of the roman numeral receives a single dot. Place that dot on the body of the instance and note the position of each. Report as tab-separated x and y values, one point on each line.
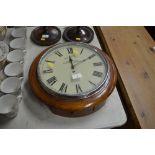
70	50
91	56
98	74
48	71
63	88
92	83
78	88
52	80
98	64
58	54
81	51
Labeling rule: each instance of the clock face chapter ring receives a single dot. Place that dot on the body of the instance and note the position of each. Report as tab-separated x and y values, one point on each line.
67	99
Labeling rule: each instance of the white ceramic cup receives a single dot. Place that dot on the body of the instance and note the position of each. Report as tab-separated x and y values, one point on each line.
18	43
11	85
9	106
14	69
19	32
16	55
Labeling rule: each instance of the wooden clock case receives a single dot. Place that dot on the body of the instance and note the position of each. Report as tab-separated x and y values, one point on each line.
72	107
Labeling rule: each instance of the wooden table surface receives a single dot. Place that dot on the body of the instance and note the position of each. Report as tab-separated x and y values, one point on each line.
130	49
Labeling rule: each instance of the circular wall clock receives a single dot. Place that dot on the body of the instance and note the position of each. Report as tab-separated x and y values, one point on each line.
73	79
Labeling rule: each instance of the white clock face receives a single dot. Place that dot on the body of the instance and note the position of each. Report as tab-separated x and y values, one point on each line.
72	70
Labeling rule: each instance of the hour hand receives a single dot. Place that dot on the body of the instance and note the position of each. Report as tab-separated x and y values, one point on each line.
73	61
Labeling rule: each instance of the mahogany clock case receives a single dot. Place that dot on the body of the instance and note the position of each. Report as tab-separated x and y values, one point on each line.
76	107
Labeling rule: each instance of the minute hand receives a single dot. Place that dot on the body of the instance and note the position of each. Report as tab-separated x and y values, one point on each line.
71	61
84	60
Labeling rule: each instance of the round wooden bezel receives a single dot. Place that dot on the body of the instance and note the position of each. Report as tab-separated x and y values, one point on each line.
77	107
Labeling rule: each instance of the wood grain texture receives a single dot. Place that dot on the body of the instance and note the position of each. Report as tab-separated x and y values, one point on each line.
72	108
130	49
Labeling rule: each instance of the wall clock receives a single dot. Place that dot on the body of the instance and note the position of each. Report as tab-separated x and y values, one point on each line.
73	79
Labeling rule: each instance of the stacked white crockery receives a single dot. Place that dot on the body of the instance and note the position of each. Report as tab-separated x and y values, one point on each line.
12	75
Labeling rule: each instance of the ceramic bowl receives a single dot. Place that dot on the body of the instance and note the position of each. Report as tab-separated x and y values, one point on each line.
19	32
18	43
16	55
11	85
8	106
14	69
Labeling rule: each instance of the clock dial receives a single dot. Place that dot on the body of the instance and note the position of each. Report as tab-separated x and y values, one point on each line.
72	70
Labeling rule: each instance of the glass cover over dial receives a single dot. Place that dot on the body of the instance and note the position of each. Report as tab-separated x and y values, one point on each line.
73	70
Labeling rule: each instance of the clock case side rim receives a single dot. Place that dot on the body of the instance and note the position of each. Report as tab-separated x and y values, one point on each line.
71	108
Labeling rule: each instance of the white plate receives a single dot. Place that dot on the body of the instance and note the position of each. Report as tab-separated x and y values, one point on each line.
18	43
19	32
13	69
11	85
15	56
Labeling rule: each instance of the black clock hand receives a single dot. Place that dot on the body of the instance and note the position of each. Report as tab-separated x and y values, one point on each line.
74	61
71	61
84	60
80	62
